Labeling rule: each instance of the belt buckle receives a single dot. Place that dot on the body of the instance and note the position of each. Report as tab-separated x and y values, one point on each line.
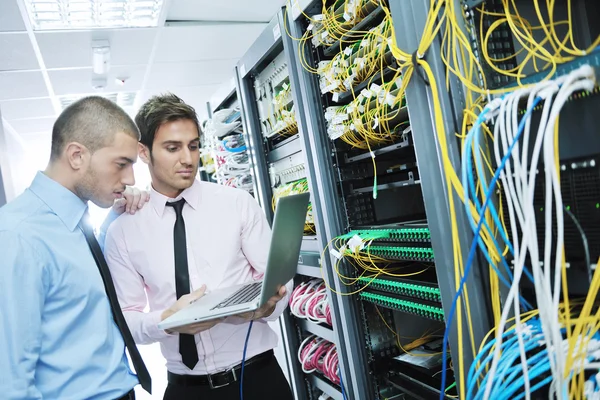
212	385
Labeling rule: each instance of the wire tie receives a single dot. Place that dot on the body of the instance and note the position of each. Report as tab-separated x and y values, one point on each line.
419	71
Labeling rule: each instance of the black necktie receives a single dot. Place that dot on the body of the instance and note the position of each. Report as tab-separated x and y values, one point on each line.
187	343
136	358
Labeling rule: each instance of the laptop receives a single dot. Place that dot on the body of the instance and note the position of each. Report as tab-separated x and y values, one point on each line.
286	240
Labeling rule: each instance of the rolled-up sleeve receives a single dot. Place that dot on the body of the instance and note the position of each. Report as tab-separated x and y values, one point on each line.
24	283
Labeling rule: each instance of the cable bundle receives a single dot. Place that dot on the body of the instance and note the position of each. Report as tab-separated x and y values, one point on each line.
511	379
285	123
373	118
232	164
218	126
336	21
518	171
357	62
299	186
309	301
317	354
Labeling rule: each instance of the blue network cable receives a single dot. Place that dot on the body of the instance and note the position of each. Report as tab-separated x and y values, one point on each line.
474	244
341	384
234	150
492	207
243	361
506	388
467	176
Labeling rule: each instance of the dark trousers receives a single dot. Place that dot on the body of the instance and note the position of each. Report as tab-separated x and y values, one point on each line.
261	382
128	396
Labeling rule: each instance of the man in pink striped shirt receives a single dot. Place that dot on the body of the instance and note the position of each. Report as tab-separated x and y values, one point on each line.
194	236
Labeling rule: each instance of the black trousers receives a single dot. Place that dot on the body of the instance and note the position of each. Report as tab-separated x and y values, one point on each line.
262	382
128	396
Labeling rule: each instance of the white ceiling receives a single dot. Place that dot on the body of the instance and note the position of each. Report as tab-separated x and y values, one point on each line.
191	53
224	10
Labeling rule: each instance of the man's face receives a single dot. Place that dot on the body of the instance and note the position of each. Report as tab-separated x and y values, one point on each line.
175	155
109	171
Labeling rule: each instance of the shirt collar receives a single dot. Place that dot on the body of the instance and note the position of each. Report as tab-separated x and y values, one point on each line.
191	195
64	203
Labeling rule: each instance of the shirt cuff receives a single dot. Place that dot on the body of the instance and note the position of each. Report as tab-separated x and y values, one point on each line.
154	331
279	308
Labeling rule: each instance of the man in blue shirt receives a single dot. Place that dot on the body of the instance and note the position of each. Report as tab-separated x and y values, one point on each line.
62	337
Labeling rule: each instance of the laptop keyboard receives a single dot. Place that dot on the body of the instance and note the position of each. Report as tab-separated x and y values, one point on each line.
243	295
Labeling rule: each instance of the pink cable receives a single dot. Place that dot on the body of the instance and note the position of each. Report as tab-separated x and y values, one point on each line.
324	358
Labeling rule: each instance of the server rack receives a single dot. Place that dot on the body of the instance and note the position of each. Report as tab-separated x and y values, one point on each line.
215	146
416	149
370	371
266	74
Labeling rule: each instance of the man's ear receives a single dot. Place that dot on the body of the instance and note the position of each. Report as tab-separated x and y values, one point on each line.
77	155
144	152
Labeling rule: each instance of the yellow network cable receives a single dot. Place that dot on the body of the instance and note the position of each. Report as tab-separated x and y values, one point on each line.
424	339
461	62
300	186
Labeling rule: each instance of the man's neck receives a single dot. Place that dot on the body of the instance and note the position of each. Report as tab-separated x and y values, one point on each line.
171	193
57	174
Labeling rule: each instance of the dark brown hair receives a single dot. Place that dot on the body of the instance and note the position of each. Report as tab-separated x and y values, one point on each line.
92	121
159	110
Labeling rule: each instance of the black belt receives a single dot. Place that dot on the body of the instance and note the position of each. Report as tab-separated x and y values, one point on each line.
219	379
128	396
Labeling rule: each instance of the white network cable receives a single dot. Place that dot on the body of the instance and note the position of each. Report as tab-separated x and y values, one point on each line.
518	182
232	165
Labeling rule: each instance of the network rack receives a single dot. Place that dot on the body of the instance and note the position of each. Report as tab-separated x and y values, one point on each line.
385	175
579	172
436	90
277	138
225	155
363	138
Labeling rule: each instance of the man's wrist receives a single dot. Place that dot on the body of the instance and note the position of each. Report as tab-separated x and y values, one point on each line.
269	311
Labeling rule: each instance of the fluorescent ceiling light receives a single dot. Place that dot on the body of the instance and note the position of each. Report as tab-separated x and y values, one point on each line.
123	99
86	14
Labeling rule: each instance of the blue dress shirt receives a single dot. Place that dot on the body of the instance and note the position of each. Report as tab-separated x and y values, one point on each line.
58	340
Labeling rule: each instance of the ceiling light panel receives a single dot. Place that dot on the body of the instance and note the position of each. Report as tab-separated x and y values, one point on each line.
86	14
123	99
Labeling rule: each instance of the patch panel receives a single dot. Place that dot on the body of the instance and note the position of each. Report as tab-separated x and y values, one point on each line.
287	169
403	288
272	91
592	59
392	235
395	253
410	307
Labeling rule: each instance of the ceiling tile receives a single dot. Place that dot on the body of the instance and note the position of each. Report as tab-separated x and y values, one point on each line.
127	47
16	52
26	108
231	10
76	81
35	125
10	17
165	76
234	41
22	85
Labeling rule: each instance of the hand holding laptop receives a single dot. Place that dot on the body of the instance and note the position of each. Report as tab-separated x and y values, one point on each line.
266	309
183	302
252	300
